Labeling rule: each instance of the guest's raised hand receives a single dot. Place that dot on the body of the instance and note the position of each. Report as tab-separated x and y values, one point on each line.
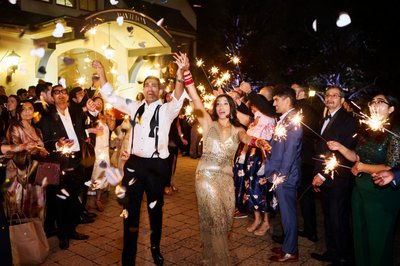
91	105
245	87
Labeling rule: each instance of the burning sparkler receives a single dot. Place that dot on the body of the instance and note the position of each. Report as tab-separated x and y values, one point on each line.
376	122
298	119
277	179
280	132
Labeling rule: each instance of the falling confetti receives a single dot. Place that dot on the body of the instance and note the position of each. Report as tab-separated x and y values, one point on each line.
38	52
120	20
58	31
152	204
124	214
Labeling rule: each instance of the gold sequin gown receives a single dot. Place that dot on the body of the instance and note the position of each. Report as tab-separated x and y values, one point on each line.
215	194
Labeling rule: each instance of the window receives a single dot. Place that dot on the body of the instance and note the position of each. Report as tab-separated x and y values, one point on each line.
69	3
89	5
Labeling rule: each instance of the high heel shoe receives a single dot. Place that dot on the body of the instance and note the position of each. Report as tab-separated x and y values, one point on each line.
99	206
253	227
262	230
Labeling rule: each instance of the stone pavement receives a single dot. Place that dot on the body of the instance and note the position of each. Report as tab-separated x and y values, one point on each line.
180	244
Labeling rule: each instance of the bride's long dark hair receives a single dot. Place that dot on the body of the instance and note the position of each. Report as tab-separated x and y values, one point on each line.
232	114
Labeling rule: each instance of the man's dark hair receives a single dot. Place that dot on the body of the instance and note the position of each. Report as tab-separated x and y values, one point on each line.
74	91
41	88
285	91
21	91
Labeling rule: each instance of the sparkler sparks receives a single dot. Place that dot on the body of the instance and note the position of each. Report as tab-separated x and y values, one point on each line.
376	122
280	132
214	70
235	59
277	179
199	62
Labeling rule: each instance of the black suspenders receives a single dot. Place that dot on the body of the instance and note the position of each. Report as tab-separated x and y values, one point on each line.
154	127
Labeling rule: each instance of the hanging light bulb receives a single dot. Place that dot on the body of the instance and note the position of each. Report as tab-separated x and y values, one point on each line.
109	51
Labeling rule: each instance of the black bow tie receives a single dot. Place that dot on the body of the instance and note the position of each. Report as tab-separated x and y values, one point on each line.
327	117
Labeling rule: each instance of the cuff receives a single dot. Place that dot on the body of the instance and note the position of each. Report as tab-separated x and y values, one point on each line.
107	89
322	177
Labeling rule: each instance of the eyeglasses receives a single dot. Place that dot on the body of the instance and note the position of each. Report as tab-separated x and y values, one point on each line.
56	92
377	102
334	96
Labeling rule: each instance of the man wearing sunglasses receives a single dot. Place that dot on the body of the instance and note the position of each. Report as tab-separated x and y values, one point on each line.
64	131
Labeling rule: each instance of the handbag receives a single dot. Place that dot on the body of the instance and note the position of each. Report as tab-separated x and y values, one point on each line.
29	244
49	170
88	154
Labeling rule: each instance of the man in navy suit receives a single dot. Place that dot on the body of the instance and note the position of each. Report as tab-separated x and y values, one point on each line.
285	161
391	176
335	187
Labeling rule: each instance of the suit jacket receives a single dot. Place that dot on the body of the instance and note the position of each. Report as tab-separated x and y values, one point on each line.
53	128
396	172
285	156
341	128
310	118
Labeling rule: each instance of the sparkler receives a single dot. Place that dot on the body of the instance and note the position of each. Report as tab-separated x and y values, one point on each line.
200	63
236	60
280	132
330	163
298	119
277	179
376	122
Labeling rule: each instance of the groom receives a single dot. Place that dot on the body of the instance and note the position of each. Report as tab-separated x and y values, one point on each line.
285	162
145	168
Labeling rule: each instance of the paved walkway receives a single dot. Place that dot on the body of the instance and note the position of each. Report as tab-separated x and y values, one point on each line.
180	244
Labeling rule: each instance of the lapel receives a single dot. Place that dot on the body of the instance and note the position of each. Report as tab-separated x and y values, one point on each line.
332	121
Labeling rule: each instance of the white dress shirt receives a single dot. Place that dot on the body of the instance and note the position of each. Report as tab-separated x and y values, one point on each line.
69	128
326	122
144	146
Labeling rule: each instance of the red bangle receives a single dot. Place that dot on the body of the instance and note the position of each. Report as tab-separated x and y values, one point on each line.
189	82
253	142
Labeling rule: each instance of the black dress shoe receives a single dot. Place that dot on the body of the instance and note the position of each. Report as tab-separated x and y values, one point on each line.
321	257
78	236
157	257
84	219
64	243
311	237
278	239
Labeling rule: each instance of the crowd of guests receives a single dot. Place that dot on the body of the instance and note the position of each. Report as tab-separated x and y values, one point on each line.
247	165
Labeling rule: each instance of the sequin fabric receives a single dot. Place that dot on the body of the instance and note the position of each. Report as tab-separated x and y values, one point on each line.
215	194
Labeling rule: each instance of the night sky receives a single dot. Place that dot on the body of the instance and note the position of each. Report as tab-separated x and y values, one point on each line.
278	45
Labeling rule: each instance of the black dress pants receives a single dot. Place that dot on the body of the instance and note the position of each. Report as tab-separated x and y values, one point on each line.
143	175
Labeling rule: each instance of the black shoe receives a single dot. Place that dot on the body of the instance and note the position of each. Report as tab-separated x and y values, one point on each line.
84	219
311	237
278	239
64	243
321	257
157	257
78	236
